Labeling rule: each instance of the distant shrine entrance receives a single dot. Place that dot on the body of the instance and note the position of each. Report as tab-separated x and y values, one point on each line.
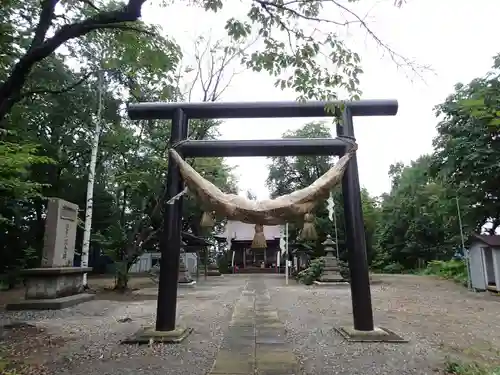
299	205
246	258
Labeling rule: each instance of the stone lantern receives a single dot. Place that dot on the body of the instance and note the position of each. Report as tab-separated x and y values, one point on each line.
184	278
331	271
328	246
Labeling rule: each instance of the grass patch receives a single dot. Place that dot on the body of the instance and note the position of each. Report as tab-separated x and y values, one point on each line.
457	368
455	270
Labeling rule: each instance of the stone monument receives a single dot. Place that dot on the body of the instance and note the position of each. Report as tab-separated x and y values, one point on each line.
331	271
56	284
184	279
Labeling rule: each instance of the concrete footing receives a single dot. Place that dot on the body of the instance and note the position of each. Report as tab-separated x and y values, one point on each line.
50	303
190	284
331	283
149	335
377	335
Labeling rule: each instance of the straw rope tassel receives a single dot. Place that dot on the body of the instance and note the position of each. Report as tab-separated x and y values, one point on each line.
207	220
259	238
308	231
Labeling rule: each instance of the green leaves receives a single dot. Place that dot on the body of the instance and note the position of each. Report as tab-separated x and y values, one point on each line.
482	101
238	30
467	147
418	220
15	162
315	65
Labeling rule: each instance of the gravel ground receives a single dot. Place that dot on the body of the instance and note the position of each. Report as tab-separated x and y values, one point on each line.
438	317
93	331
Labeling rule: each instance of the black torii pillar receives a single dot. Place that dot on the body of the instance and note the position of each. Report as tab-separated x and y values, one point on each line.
355	235
170	239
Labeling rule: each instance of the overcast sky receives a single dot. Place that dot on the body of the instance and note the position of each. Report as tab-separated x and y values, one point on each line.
456	37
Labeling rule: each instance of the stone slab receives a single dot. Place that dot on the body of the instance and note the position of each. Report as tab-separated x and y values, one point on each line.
148	335
50	304
341	282
377	335
274	361
213	273
190	284
52	271
278	341
230	363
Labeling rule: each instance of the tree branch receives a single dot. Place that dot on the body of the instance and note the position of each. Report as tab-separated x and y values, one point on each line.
57	92
46	16
285	7
91	4
10	90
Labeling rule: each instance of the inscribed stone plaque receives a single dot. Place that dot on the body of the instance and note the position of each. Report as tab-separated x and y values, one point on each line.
60	233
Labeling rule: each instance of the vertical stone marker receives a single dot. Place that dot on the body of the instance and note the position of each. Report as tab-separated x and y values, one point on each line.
56	284
60	233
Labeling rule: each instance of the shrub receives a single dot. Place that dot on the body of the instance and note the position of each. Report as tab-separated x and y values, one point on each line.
455	270
393	268
223	265
344	270
312	273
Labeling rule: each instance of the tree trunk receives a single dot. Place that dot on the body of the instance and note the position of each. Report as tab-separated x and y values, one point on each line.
89	202
121	276
121	283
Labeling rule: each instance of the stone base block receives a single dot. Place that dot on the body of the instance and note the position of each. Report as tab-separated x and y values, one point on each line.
54	282
377	335
331	283
213	273
149	335
189	284
50	303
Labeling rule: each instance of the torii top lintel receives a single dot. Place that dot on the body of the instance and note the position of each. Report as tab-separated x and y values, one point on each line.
221	110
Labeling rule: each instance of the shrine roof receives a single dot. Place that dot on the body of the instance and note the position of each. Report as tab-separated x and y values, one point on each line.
192	240
245	232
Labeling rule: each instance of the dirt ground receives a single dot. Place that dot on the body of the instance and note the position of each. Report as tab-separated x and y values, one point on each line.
440	319
101	285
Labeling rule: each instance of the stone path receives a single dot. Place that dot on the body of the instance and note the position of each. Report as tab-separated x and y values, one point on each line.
255	342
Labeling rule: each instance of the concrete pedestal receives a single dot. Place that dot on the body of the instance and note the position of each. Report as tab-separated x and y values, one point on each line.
52	288
377	335
149	335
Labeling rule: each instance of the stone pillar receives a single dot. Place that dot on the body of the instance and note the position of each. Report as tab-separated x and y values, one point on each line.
56	284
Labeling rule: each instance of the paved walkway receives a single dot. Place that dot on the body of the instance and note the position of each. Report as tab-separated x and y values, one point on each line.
255	342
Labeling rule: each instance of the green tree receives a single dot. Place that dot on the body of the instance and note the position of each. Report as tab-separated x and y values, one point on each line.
51	24
418	219
289	48
467	149
287	174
